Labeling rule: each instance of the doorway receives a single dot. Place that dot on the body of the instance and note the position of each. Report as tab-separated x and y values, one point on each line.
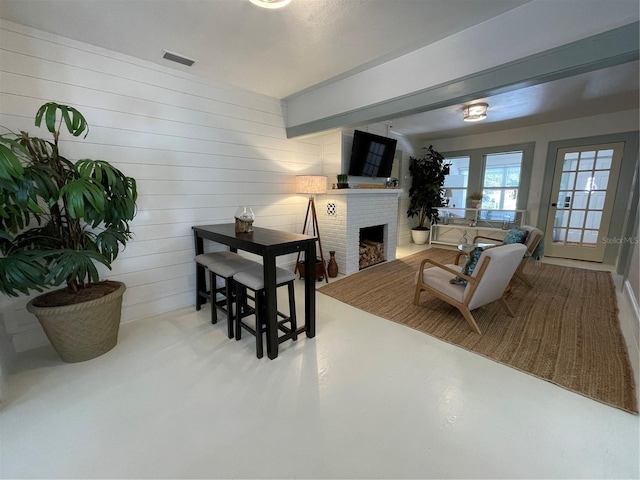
582	200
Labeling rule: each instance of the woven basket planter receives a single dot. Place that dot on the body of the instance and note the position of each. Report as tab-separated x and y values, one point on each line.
85	330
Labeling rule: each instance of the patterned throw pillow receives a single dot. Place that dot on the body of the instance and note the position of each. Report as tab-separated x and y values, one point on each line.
515	235
469	265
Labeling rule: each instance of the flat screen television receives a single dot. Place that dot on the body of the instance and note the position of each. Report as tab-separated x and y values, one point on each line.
371	155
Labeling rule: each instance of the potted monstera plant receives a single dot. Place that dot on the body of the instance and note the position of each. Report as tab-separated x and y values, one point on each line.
426	193
59	218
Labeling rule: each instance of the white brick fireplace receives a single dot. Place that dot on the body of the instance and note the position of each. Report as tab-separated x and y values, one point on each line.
341	215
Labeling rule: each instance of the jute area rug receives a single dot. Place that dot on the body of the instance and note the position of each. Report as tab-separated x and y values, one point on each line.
566	329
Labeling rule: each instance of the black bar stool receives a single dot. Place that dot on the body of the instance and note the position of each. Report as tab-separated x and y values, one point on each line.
224	265
253	279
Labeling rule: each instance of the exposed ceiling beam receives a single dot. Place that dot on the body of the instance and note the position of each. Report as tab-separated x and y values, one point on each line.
604	50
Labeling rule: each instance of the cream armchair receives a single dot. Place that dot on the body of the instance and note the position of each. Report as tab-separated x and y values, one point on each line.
487	283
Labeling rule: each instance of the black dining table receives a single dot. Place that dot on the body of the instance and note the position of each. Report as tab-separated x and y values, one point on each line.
268	244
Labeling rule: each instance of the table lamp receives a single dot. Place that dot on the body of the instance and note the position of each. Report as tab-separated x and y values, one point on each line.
448	194
312	185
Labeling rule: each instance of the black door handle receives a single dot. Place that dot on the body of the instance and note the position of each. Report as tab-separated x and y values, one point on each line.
554	204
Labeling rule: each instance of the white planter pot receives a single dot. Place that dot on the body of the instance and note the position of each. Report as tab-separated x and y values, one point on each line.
420	237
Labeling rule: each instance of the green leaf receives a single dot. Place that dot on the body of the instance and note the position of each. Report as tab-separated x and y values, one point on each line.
50	117
73	119
109	241
64	110
72	265
20	273
79	191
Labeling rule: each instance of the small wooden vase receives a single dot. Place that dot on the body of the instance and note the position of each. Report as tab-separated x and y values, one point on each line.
332	267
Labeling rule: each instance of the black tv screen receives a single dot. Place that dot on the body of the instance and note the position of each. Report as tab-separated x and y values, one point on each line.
371	155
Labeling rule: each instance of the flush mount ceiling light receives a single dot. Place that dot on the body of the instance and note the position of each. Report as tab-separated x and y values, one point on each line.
474	113
271	3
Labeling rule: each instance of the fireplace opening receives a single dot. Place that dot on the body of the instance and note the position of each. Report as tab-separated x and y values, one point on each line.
371	246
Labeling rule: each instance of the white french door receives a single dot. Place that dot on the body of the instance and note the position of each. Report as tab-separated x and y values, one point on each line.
582	199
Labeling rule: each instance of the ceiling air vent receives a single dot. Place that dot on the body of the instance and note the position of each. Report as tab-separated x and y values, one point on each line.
174	57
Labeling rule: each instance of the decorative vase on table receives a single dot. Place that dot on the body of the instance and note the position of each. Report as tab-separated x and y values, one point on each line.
332	268
244	220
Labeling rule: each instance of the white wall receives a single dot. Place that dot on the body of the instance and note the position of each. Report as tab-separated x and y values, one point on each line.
197	149
632	285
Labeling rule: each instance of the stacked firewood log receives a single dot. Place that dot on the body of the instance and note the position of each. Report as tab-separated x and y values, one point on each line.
371	253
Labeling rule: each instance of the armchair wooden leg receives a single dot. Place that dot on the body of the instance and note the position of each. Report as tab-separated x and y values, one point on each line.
506	306
470	320
520	274
416	297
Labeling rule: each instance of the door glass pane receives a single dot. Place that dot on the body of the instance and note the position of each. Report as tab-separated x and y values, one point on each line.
574	235
580	200
604	159
562	218
593	220
586	160
600	180
590	238
596	202
570	162
559	235
584	181
564	199
568	180
577	219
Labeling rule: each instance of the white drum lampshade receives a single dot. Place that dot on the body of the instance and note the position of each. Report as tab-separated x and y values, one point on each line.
311	184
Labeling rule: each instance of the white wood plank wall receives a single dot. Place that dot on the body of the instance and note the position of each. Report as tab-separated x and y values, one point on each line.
197	149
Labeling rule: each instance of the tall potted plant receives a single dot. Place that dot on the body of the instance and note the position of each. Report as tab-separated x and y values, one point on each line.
426	193
57	218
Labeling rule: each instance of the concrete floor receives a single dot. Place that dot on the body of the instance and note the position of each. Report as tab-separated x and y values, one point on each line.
366	398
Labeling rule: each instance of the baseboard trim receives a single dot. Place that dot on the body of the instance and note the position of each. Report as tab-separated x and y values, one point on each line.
632	299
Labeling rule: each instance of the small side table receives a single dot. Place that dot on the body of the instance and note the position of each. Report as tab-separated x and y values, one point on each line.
465	248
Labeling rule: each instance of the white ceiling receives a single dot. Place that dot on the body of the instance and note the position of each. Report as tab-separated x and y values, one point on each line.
286	51
274	52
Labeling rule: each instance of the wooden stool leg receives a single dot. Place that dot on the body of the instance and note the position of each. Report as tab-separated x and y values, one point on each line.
200	274
259	321
292	311
229	292
239	310
212	289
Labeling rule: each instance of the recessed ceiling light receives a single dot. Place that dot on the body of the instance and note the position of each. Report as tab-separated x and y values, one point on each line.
271	3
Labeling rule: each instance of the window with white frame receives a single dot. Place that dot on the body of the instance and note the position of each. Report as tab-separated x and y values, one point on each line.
502	174
501	180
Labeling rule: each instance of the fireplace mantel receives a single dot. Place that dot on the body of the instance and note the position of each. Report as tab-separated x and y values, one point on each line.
365	191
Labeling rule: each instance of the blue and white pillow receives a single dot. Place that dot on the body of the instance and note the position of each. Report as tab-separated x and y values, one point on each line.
469	265
515	235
